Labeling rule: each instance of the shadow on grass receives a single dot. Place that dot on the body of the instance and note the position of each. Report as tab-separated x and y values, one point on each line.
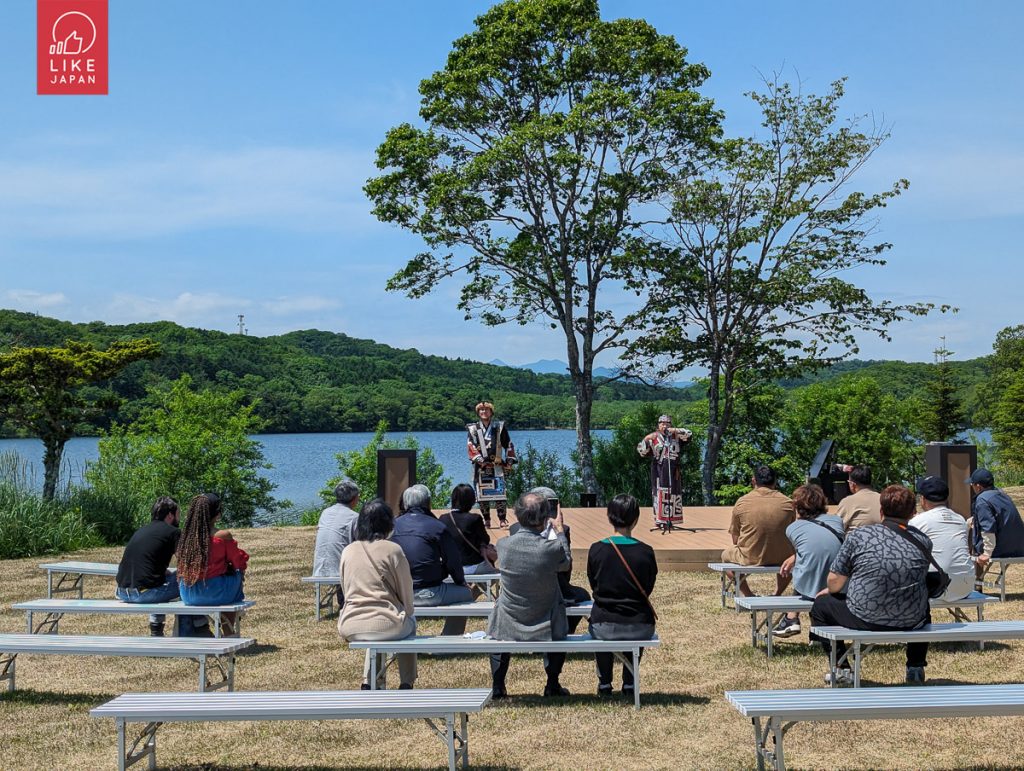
258	648
35	698
647	699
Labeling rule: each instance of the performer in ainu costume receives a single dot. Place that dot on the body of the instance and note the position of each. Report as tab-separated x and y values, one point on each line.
486	440
664	446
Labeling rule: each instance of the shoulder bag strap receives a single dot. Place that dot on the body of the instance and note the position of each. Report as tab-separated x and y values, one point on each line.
821	524
451	518
902	530
633	576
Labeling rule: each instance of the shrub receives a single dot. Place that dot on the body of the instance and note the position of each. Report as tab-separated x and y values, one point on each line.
541	468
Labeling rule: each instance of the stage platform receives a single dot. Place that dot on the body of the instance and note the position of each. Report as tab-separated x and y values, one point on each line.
678	550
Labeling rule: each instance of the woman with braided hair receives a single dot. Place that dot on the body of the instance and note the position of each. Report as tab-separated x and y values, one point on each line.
210	564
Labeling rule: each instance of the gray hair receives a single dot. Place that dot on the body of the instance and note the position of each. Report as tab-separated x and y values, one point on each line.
346	491
545	492
416	497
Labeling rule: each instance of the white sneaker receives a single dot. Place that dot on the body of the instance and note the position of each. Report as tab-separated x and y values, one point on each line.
842	677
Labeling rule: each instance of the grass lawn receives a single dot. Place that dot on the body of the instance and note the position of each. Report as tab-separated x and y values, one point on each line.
684	723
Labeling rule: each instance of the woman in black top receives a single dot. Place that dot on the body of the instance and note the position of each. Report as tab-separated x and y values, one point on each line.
469	532
622	572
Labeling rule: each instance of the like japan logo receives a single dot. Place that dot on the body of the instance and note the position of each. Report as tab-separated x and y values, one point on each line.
72	47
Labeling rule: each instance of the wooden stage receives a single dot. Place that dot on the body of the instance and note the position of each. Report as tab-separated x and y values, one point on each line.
678	550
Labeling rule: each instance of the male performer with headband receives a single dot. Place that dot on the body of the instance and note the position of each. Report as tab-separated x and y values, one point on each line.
486	440
664	446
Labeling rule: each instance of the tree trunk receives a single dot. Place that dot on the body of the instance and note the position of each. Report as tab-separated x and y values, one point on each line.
714	439
584	389
52	455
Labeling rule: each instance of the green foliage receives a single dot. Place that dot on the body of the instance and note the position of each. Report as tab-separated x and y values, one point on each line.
30	526
942	416
751	283
42	391
185	443
1003	396
361	467
868	427
541	468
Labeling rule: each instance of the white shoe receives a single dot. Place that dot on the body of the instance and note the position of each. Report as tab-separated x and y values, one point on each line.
843	676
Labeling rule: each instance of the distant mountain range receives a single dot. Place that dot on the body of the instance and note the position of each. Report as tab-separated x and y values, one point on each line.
558	367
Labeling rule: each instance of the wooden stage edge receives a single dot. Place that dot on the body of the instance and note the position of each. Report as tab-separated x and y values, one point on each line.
687	549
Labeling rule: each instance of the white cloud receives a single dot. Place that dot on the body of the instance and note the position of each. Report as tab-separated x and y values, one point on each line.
307	190
209	310
289	305
31	300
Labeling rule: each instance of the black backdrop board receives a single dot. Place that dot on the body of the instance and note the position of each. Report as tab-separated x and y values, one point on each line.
396	470
954	463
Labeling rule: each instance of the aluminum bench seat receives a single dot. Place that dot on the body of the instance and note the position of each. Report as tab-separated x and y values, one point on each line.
55	609
999	581
781	709
483	610
326	588
729	584
862	641
71	575
764	610
450	705
626	651
221	652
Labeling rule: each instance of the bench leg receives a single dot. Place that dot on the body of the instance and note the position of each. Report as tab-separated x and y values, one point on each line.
464	732
725	586
778	732
449	731
981	617
456	741
633	665
856	663
49	624
68	583
226	667
216	624
7	662
318	603
768	632
1001	582
144	746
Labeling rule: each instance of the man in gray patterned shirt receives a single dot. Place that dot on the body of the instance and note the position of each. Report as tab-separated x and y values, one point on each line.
877	582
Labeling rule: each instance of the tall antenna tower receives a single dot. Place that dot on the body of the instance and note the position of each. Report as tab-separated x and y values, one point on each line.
241	324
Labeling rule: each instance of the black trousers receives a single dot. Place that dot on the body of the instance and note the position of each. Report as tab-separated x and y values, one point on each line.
553	663
831	610
574	595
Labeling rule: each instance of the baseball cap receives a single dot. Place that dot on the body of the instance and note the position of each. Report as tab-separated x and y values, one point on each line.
981	477
933	489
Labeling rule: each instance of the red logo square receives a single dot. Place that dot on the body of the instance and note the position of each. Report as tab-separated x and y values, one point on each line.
71	46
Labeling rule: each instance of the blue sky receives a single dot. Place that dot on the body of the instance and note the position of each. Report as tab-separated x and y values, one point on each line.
223	173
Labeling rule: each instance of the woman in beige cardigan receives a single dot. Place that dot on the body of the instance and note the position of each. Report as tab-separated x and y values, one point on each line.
377	586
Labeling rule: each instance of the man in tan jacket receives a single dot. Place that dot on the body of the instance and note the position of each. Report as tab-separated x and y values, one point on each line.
861	507
758	529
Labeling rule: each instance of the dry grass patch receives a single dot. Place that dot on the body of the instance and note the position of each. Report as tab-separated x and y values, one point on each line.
684	723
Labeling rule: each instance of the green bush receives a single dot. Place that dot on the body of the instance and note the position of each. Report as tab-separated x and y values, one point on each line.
30	526
361	467
537	468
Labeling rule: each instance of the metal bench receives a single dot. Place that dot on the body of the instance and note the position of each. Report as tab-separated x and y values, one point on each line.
483	610
781	709
999	582
326	589
765	610
863	641
154	709
580	643
71	575
739	571
220	652
56	608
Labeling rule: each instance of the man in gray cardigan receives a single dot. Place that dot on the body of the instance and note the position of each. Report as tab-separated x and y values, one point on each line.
530	605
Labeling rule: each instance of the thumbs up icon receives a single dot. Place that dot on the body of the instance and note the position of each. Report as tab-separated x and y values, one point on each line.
71	45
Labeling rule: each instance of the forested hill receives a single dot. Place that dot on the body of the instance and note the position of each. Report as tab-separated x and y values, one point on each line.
325	381
312	380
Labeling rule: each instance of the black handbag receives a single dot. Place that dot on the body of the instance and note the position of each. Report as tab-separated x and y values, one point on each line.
936	582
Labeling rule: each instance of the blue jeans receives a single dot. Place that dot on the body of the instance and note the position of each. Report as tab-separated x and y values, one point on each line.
166	592
444	594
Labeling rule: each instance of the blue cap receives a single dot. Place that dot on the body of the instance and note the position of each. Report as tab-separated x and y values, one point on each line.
981	477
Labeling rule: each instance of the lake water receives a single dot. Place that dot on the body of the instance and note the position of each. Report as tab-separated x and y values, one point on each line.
304	462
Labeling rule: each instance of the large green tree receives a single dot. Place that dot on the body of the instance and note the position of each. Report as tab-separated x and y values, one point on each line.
753	275
544	139
942	415
1002	397
44	391
186	442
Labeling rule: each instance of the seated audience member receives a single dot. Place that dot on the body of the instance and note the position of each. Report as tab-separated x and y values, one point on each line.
530	605
758	529
335	531
211	567
433	555
861	506
816	537
572	594
142	576
877	582
377	583
997	529
621	571
469	532
947	531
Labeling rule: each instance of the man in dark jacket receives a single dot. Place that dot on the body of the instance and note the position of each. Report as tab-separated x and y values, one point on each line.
433	556
997	530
